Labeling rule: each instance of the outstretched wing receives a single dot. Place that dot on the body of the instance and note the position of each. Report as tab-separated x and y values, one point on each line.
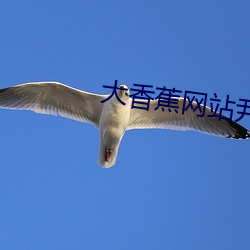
143	119
54	98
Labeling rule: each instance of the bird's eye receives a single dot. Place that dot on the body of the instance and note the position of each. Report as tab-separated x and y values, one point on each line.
126	93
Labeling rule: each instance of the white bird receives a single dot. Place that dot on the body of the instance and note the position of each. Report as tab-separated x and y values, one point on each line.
112	118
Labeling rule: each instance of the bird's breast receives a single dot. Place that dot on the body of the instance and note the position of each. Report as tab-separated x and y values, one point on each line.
114	119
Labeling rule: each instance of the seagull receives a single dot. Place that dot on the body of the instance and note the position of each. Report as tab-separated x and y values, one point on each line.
111	117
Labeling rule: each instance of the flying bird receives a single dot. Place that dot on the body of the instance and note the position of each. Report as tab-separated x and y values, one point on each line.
111	117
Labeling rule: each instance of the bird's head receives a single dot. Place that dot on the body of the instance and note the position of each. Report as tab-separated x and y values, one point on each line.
124	92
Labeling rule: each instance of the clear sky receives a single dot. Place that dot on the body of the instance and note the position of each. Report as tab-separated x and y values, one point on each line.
168	189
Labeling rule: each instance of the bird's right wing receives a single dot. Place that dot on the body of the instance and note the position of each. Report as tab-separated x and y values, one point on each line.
54	98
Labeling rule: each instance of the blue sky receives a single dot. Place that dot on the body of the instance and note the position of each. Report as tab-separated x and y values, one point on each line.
169	189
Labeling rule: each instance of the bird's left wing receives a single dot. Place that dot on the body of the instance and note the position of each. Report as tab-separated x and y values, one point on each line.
54	98
156	118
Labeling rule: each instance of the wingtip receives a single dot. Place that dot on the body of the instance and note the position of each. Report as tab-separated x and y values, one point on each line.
240	131
248	135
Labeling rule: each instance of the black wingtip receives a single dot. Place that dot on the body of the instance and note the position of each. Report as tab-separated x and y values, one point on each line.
240	131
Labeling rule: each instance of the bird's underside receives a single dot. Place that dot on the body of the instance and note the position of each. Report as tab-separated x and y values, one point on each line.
58	99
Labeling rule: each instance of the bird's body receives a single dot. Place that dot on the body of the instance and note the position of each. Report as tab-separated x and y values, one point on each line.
113	125
112	117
